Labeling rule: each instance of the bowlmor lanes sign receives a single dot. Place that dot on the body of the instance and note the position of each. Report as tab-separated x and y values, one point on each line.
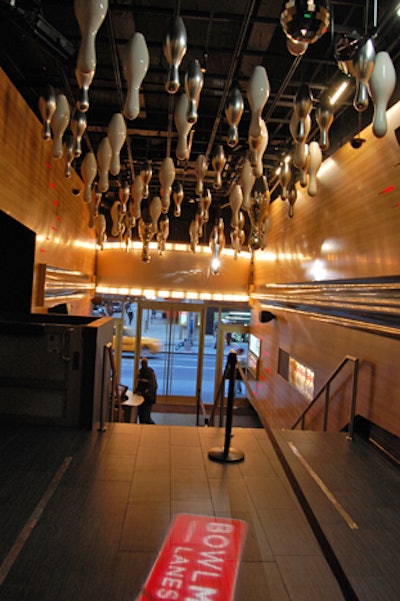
198	561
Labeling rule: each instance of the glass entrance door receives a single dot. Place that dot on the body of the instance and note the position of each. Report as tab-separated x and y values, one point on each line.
172	336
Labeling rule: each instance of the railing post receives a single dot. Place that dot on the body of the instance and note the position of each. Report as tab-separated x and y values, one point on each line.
350	435
326	410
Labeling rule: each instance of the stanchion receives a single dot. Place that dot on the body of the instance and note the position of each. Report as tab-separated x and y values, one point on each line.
228	454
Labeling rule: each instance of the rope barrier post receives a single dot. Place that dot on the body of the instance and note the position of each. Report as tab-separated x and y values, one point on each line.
228	454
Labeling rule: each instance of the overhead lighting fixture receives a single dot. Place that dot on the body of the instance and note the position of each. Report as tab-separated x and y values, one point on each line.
335	97
305	21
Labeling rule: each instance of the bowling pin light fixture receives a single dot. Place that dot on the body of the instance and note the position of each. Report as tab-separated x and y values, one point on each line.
59	123
136	61
90	15
364	62
233	111
194	81
381	87
324	119
174	47
47	108
116	133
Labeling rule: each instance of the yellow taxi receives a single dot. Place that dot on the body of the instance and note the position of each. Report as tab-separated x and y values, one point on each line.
148	345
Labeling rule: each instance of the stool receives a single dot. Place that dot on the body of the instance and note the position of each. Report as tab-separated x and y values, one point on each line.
130	406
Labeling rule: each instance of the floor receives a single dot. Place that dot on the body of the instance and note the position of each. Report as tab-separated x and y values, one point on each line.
83	514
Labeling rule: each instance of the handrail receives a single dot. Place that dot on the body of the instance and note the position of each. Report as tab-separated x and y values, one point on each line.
325	387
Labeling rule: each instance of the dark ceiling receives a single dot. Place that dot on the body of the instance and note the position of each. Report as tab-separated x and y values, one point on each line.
40	42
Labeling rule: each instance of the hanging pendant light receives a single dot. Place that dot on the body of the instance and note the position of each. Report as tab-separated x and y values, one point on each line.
305	21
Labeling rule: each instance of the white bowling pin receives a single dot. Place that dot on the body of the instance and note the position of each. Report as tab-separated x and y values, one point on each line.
47	107
166	176
258	90
116	134
59	123
177	195
174	47
315	163
146	173
88	173
381	85
364	62
233	112
218	163
200	169
104	154
155	212
135	62
193	84
90	14
78	128
246	181
183	127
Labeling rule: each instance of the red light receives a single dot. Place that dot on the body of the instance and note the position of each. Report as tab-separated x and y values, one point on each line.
53	227
388	189
55	202
52	185
48	165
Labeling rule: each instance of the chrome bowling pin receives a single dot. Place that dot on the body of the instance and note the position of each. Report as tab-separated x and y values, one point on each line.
116	133
193	85
88	173
235	203
218	163
59	123
174	47
303	103
299	155
135	62
200	169
155	212
381	86
177	195
137	190
90	15
78	128
146	173
233	111
364	62
47	107
324	119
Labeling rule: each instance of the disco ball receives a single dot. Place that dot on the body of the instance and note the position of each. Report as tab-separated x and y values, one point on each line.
305	21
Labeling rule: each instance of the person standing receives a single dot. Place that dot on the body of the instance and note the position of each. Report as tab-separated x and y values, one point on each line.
147	387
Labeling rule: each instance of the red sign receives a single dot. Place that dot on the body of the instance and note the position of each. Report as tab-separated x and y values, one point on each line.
198	561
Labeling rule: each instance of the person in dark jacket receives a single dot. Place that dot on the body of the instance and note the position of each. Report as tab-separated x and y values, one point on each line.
147	387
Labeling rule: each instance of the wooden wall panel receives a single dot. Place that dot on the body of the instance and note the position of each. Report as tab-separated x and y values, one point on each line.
35	191
349	231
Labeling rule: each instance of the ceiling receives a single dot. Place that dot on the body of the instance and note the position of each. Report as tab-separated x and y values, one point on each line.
39	45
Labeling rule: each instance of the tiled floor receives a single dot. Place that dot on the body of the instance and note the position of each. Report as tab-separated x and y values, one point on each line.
99	533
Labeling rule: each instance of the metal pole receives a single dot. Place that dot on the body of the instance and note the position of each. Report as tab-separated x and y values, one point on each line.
326	407
228	454
350	435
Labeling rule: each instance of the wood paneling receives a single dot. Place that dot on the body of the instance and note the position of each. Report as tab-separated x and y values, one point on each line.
35	191
345	240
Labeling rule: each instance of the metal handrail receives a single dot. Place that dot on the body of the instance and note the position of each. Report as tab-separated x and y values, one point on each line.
326	387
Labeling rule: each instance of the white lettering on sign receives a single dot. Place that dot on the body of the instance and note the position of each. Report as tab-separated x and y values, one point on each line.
204	567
